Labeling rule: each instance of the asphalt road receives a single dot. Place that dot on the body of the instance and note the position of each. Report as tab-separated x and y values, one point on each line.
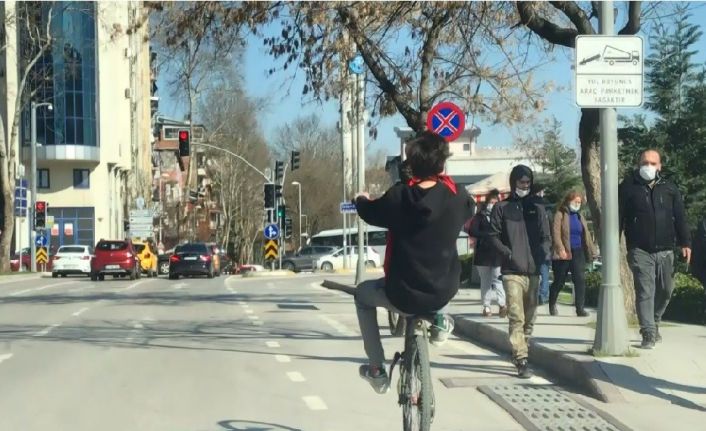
201	355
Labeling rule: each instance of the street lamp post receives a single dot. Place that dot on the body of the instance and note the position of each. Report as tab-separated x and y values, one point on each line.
33	175
299	186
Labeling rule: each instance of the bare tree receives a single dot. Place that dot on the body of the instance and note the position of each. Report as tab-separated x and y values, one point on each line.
35	40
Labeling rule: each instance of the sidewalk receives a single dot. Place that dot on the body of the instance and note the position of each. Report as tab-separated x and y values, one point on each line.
654	390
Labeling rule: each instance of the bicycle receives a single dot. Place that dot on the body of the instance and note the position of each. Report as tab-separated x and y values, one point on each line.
397	323
416	395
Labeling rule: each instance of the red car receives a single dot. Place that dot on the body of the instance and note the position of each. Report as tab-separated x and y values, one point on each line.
115	257
26	262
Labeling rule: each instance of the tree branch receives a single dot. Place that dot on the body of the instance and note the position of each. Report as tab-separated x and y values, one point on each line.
545	29
634	13
576	15
427	58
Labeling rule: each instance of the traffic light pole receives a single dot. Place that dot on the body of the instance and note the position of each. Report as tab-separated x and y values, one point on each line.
33	175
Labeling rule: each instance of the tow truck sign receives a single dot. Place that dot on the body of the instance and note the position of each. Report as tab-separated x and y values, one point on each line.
609	71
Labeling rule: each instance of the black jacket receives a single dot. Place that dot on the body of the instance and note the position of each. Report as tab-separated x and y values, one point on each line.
520	233
652	217
424	270
485	254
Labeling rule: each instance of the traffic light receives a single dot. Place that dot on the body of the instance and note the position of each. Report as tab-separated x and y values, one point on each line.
281	213
126	225
288	227
295	160
278	191
279	171
184	150
269	196
40	214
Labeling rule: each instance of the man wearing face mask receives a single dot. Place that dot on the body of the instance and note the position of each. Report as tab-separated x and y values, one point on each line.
519	231
652	217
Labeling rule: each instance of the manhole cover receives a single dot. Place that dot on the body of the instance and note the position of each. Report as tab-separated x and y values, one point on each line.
297	307
539	408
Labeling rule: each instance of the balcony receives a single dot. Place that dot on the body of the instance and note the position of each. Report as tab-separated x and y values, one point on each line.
82	153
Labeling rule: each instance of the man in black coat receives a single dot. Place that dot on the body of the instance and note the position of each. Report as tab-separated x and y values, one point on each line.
652	217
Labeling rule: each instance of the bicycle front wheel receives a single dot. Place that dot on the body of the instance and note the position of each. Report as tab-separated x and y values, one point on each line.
417	394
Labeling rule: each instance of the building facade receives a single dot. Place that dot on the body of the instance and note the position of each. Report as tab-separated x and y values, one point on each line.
93	152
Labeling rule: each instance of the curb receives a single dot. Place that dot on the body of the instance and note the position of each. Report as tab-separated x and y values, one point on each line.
17	278
569	369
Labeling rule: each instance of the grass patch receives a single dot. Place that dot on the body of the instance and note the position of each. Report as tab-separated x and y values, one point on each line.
630	353
565	298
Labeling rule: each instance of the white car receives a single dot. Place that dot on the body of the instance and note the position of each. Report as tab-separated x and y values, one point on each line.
72	259
334	260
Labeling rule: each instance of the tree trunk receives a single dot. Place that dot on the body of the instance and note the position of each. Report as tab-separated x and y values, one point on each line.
591	174
7	181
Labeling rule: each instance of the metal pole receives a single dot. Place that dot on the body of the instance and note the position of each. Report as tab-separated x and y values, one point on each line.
33	175
300	215
611	326
360	147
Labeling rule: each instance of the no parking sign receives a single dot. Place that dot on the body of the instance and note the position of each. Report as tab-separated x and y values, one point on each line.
447	120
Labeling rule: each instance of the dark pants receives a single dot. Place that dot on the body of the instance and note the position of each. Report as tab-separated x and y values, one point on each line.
561	268
653	274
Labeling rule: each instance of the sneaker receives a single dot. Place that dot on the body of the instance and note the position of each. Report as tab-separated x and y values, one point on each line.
523	370
502	313
552	310
658	337
582	313
487	312
648	340
377	379
440	330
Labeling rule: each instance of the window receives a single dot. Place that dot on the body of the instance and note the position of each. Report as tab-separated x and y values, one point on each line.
466	147
43	178
81	178
111	245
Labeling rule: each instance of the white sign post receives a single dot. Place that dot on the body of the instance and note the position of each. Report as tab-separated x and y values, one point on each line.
609	71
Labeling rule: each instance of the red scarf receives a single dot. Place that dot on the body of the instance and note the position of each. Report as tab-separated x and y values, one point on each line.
442	178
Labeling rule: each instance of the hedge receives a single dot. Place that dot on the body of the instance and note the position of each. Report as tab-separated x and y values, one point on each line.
688	303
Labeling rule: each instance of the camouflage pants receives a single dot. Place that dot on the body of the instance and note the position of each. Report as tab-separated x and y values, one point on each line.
521	292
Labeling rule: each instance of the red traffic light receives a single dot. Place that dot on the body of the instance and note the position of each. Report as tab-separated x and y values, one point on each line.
40	206
183	135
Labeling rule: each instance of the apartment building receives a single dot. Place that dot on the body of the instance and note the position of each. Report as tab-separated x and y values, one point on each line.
93	152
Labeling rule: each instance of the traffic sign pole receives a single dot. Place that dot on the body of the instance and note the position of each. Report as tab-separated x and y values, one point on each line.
611	325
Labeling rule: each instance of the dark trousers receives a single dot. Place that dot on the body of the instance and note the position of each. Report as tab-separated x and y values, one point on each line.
561	268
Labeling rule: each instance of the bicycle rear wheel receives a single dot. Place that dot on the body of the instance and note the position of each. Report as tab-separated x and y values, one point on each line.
397	323
416	392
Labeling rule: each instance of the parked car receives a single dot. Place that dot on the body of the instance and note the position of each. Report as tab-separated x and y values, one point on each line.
305	259
26	261
148	257
334	260
72	259
191	259
163	262
115	257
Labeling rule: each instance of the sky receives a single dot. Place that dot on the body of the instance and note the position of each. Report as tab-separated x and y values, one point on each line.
281	98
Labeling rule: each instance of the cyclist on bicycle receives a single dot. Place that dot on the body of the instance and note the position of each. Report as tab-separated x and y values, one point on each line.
424	218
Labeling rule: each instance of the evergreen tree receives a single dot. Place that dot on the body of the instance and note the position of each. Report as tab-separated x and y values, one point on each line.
559	164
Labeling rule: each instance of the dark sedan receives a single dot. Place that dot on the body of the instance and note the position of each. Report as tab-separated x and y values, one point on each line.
191	259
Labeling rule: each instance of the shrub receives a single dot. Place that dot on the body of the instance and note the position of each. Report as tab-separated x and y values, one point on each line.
688	302
593	288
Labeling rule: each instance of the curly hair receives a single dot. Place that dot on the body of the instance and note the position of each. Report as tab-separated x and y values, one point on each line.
427	154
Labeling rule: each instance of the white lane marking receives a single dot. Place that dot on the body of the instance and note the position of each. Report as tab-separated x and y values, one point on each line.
180	286
138	325
242	303
257	322
248	311
283	358
251	317
272	344
338	326
232	291
133	285
314	402
315	285
37	289
46	330
80	312
5	357
296	376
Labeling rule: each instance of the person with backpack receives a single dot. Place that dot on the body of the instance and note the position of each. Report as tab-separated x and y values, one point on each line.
486	259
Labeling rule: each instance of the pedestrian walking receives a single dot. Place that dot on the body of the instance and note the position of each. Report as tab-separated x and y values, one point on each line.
520	233
486	259
537	191
653	219
573	247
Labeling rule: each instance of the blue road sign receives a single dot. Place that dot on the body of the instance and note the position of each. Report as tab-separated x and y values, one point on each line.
41	241
271	231
357	65
447	120
348	208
